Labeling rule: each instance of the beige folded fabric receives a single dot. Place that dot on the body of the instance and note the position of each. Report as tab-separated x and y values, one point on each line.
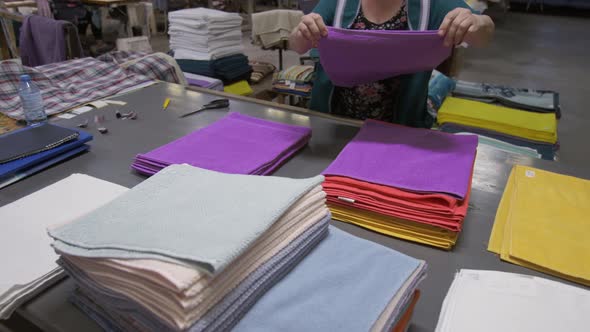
180	295
271	27
260	70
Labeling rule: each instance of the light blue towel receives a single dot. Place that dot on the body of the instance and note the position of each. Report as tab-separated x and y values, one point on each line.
235	304
186	213
343	285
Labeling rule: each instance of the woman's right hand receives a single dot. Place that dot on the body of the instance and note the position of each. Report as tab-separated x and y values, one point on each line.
308	33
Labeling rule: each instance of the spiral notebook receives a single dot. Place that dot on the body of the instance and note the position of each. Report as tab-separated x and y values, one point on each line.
18	166
32	140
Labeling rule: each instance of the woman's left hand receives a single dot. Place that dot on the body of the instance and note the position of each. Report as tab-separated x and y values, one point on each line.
460	24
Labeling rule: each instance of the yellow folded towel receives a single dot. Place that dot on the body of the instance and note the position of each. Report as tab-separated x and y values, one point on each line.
543	223
241	88
403	229
541	127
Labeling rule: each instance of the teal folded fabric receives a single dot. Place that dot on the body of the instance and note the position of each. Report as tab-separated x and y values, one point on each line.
229	69
199	217
199	67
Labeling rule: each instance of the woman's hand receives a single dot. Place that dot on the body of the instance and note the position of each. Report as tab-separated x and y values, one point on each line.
308	33
461	25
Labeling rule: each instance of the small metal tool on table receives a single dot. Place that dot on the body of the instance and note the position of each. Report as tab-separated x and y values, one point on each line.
216	104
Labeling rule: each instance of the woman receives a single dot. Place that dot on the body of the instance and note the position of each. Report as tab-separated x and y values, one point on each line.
399	99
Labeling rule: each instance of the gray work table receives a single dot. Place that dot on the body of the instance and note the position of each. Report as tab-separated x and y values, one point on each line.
111	155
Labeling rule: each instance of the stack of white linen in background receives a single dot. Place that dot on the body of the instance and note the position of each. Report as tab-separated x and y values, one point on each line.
204	34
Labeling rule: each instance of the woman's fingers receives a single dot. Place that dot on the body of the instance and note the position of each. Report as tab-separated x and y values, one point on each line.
455	26
311	29
299	34
319	21
442	31
462	26
315	30
312	26
305	31
450	35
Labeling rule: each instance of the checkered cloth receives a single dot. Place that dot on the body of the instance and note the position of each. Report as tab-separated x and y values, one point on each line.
154	67
72	83
121	56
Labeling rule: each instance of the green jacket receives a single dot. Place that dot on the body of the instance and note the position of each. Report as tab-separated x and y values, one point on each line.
422	15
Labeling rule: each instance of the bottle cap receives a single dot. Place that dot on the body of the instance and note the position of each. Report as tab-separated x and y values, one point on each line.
25	78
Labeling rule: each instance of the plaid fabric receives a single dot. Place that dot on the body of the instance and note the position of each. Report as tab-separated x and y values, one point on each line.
72	83
65	84
121	56
155	68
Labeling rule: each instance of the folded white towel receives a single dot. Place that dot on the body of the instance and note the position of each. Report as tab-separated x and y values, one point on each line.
24	231
490	301
182	53
205	14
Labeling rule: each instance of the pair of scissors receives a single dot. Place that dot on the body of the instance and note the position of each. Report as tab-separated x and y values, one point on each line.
216	104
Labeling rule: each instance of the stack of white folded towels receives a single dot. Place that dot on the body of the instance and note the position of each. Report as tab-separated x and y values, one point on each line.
204	34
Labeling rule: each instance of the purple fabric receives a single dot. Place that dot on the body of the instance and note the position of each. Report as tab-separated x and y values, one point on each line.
354	57
201	83
413	159
236	144
42	41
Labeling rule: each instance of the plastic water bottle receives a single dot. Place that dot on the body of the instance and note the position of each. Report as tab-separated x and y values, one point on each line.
32	101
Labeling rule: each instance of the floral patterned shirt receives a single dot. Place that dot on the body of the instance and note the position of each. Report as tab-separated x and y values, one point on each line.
374	100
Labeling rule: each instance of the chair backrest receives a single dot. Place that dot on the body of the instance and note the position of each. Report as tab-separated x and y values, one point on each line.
8	36
306	6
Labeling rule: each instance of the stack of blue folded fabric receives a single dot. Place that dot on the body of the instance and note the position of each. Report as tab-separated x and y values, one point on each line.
199	67
34	148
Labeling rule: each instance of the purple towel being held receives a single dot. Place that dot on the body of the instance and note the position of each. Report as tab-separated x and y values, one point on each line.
42	41
412	159
354	57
